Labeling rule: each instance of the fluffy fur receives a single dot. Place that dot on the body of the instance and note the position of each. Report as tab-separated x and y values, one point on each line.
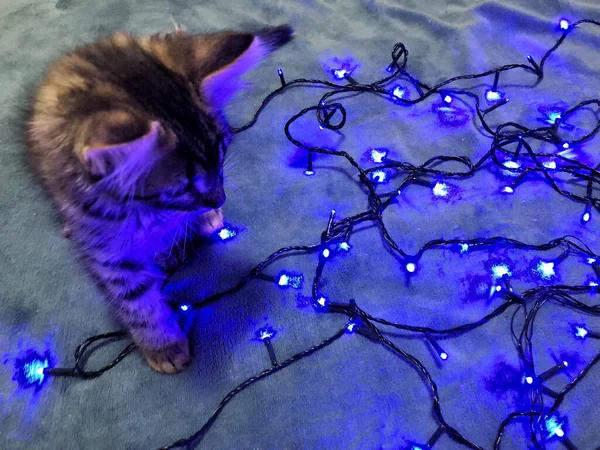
128	137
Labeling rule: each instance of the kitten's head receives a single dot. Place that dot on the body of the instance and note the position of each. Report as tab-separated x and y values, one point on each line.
149	121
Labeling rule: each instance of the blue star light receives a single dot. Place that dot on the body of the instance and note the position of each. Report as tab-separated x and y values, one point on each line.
227	233
379	176
500	270
344	246
378	155
546	270
291	280
440	189
492	96
266	332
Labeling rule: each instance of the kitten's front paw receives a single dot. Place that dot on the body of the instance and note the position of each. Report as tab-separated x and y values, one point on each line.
211	222
170	359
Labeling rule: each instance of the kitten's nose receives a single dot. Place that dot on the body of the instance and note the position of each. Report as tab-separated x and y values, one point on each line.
214	198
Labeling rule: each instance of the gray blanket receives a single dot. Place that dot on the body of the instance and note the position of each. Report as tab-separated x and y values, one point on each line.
355	393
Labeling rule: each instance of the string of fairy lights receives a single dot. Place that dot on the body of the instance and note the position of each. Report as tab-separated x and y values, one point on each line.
511	150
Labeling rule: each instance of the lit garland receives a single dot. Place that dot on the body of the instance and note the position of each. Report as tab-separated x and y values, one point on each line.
512	152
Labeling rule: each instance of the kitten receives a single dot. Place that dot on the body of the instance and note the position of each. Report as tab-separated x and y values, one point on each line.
128	137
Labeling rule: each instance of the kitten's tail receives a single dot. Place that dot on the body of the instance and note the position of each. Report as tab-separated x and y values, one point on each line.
274	37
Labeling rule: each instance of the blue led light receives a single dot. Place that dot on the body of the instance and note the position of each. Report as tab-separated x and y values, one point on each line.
340	73
344	246
308	173
326	253
350	327
492	96
288	279
586	217
546	269
500	270
411	267
266	332
227	233
508	190
399	92
34	371
322	301
529	380
443	356
440	189
550	165
448	99
580	331
29	370
593	283
565	145
511	164
464	248
564	24
184	307
554	427
378	155
553	117
498	288
379	176
591	260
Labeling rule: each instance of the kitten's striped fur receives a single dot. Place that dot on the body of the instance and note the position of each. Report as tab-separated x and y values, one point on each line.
127	136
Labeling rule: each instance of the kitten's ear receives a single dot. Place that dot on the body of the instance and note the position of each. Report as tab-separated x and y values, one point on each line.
225	57
113	139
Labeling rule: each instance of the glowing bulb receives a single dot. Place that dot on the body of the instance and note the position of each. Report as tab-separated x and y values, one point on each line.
500	270
565	363
591	260
546	269
565	145
553	117
448	99
464	248
279	72
564	24
286	279
350	327
498	288
508	190
492	96
440	189
184	307
411	267
586	217
322	301
529	380
378	155
444	356
593	283
266	332
326	253
554	427
340	73
398	92
308	173
34	371
227	233
511	164
344	246
379	176
550	165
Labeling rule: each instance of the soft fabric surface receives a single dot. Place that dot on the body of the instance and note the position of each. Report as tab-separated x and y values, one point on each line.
354	394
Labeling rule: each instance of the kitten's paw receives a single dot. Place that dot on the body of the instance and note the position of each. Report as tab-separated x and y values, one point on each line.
211	222
170	359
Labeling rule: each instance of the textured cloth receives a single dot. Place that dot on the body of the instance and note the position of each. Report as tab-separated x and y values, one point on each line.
354	394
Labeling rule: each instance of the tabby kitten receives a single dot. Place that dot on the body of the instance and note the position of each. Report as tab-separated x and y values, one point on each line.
128	137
